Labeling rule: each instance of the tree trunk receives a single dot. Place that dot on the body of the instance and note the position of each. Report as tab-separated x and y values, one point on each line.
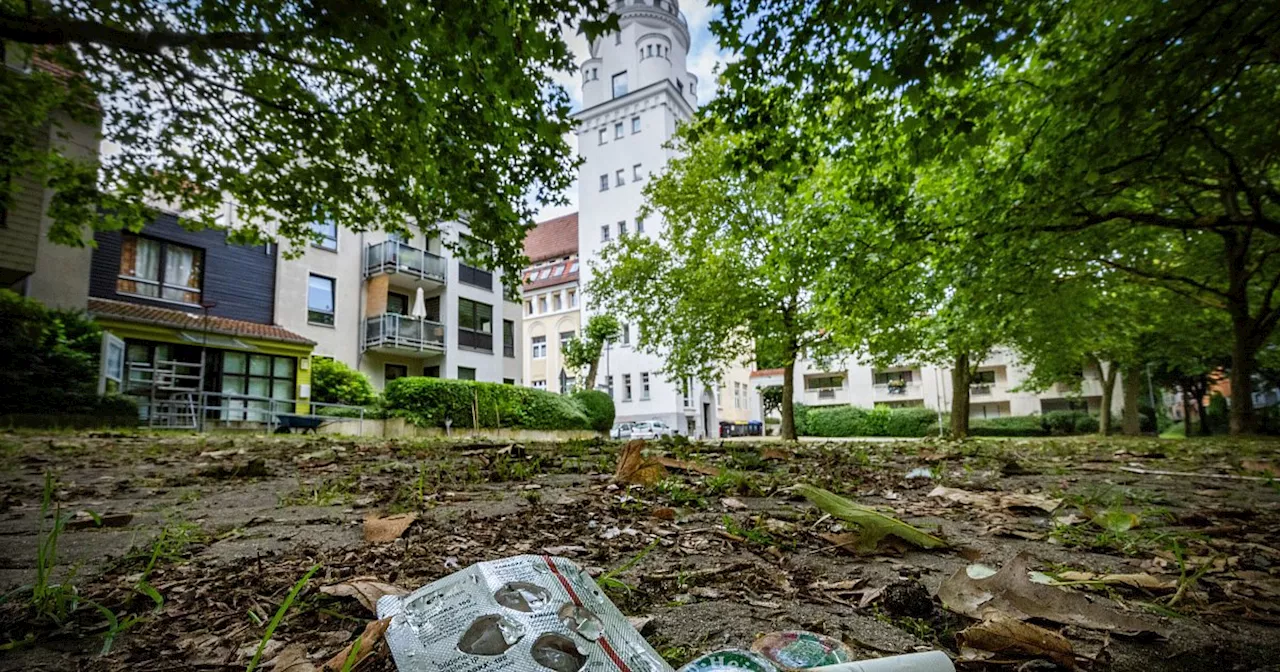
1186	410
788	428
1201	392
1108	380
960	376
1131	388
1244	357
590	383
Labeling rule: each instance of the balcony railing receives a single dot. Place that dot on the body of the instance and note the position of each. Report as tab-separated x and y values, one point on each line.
403	332
980	390
827	393
390	256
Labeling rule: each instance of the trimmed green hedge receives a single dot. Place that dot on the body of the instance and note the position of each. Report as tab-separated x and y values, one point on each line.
1022	425
837	421
599	408
428	402
333	382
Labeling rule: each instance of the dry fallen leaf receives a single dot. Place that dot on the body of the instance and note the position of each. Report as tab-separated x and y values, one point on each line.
732	503
368	645
1010	591
1142	580
381	529
995	500
1002	634
366	589
293	658
634	468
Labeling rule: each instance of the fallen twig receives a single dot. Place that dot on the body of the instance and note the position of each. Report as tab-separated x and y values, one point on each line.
697	573
1194	474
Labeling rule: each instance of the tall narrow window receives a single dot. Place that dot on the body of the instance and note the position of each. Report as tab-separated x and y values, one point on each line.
326	231
626	387
604	136
475	325
639	224
617	131
556	302
604	182
626	333
635	124
508	338
635	173
644	386
622	228
608	385
604	233
320	293
619	178
620	84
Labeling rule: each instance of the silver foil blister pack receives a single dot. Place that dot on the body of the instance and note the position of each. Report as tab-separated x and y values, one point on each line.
520	614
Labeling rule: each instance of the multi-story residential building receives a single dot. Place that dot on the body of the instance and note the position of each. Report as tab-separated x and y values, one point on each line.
354	294
551	296
636	89
994	393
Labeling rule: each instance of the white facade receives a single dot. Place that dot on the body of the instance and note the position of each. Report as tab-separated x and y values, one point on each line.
850	382
375	280
636	88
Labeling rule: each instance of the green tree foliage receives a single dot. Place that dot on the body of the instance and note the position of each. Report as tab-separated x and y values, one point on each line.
372	115
739	263
599	408
582	353
333	382
1136	139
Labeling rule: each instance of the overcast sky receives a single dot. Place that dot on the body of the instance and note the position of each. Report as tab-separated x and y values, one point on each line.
704	54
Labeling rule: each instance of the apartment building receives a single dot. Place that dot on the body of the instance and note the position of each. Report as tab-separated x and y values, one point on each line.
551	302
993	394
636	90
356	295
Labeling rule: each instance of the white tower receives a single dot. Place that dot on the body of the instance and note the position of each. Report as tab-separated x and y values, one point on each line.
635	90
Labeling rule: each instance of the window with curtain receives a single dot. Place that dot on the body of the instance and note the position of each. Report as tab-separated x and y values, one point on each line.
160	270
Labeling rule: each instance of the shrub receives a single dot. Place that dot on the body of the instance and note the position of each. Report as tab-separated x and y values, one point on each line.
913	422
333	382
1086	424
1025	425
598	407
1060	423
428	402
800	416
835	421
840	421
1217	414
50	362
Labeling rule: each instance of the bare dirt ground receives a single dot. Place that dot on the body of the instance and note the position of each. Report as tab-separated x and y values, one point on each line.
222	527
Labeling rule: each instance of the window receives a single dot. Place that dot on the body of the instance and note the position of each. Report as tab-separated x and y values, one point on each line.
635	124
608	385
565	337
431	371
622	228
899	377
649	50
544	274
604	233
984	378
617	37
573	268
542	304
823	382
508	338
644	386
475	326
620	84
626	387
320	293
604	136
573	299
639	225
392	371
397	303
256	376
684	392
604	182
539	384
557	271
472	275
626	333
555	302
538	346
528	307
617	131
160	270
635	173
326	231
737	395
619	181
508	381
466	373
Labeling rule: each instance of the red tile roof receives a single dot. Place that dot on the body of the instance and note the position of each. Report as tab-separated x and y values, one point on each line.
566	275
768	372
178	319
553	238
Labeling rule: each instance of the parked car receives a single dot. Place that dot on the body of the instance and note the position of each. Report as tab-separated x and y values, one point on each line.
622	430
651	429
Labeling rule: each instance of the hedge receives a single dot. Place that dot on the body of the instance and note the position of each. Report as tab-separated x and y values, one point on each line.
333	382
1023	425
837	421
599	408
428	402
89	412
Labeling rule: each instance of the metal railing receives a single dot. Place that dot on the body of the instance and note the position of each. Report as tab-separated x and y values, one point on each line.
827	393
391	256
229	410
402	331
980	389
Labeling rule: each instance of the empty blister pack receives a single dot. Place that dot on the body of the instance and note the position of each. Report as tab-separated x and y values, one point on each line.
518	614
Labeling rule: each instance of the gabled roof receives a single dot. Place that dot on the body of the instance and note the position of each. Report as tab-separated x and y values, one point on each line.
137	313
553	238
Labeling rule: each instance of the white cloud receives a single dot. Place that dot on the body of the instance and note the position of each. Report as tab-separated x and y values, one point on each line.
698	13
550	211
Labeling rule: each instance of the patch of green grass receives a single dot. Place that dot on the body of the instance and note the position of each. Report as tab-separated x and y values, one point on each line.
506	468
730	482
609	581
279	616
326	492
750	460
679	493
757	534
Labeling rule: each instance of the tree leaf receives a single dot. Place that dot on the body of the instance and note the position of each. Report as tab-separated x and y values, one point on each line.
873	525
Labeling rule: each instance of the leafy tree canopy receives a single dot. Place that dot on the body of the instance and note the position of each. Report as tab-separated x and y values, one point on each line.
367	114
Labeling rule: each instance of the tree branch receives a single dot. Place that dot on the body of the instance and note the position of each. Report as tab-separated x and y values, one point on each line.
52	30
1165	277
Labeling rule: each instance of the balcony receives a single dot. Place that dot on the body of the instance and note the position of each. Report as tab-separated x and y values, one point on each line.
406	261
401	334
981	390
896	392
